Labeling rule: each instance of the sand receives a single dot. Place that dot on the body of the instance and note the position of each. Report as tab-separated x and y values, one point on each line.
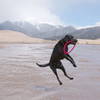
21	79
7	36
87	41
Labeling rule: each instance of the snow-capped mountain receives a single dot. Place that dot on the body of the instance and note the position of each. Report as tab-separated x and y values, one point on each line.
51	32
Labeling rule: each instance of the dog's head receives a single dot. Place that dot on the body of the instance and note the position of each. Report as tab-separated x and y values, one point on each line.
70	38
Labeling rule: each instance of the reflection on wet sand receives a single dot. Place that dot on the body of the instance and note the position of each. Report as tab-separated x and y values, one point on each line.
21	79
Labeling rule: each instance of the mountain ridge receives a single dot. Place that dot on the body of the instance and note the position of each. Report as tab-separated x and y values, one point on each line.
51	32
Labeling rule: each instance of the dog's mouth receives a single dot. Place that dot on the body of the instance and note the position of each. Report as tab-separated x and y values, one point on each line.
74	42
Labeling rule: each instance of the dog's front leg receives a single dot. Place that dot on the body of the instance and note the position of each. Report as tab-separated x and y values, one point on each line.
68	57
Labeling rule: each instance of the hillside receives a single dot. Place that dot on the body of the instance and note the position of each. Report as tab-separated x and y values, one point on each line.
44	31
51	32
87	33
7	36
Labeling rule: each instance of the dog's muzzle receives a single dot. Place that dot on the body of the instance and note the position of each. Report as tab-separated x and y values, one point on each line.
75	41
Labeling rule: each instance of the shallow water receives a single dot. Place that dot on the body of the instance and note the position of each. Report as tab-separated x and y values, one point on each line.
20	78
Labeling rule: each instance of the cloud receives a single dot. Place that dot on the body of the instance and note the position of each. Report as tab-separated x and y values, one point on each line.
98	23
40	11
35	11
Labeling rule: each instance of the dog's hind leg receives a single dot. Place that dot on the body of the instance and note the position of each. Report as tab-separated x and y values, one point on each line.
64	71
55	72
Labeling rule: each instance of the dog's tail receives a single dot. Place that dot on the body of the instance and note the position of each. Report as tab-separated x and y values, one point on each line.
44	65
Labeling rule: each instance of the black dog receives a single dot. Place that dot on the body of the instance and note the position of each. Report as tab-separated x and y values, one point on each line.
58	54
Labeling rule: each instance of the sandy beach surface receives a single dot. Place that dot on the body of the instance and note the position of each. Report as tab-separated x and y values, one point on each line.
87	41
21	79
7	36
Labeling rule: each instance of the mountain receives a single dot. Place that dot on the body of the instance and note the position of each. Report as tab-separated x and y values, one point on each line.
44	31
59	33
87	33
24	27
51	32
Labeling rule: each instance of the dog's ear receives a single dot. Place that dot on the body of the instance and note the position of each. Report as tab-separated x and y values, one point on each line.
66	38
67	35
62	41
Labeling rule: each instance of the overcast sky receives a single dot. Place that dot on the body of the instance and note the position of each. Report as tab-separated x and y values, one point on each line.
66	12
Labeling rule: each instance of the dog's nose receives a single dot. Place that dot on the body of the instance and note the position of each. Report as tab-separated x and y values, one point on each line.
76	40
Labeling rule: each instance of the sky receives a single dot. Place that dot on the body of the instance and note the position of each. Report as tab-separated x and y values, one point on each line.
79	13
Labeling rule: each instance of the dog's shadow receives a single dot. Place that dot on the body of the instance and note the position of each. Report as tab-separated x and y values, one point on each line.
45	88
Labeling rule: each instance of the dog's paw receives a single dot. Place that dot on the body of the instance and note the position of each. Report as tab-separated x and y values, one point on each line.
74	65
71	78
60	83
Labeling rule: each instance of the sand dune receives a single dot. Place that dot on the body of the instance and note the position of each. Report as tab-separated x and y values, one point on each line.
86	41
7	36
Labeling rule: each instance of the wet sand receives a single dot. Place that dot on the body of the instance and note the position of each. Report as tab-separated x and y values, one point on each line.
21	79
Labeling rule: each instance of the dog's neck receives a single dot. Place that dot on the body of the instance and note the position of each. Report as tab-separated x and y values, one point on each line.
63	42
